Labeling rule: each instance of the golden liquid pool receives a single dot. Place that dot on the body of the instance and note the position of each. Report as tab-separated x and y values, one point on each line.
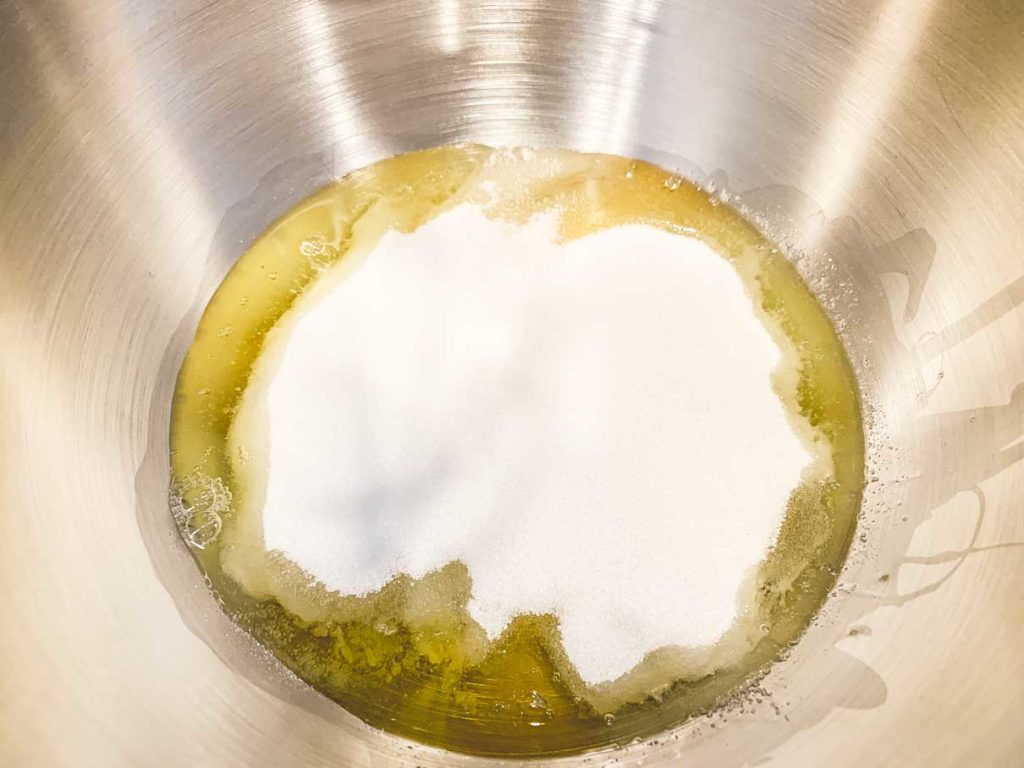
408	658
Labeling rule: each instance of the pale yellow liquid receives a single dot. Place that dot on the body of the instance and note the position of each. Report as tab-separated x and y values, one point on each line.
408	658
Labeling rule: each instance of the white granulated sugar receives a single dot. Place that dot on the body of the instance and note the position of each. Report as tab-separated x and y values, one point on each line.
590	428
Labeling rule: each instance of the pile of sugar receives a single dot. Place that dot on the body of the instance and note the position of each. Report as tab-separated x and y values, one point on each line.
589	427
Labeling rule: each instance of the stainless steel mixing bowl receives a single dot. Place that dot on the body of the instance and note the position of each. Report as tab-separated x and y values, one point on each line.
144	144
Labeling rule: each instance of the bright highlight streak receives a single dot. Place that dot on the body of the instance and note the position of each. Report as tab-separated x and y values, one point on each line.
863	106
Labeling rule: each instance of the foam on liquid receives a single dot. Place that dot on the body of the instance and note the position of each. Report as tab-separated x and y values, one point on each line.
590	427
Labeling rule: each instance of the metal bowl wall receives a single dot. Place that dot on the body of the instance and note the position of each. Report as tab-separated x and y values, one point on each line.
144	144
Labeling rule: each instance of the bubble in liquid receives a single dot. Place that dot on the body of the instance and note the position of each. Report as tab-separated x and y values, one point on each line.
312	247
198	503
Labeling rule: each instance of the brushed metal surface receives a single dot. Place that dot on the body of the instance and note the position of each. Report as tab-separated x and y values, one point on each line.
144	144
